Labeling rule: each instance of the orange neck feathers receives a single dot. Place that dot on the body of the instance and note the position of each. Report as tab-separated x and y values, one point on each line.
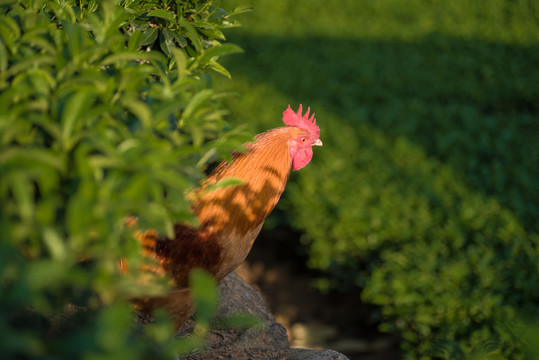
264	168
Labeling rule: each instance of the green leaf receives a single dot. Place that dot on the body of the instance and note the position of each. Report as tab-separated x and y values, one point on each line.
205	295
193	35
149	36
181	39
37	156
74	36
54	243
36	39
63	11
167	109
225	182
181	62
215	66
166	41
196	102
163	14
3	57
213	33
23	191
34	61
135	41
140	109
72	114
9	31
218	51
46	273
131	56
218	13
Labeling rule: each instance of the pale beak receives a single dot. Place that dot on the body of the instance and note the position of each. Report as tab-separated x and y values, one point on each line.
318	142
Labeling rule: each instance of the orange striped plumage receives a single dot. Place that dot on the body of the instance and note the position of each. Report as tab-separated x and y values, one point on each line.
230	218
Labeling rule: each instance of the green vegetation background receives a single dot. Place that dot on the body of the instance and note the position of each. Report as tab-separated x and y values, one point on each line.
424	194
426	191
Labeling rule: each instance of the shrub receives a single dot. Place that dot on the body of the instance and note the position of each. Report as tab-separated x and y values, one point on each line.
450	268
107	111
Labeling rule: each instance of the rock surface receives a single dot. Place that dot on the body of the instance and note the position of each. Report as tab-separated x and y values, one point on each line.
266	341
308	354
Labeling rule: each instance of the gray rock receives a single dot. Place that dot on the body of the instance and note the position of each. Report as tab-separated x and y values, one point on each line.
265	341
308	354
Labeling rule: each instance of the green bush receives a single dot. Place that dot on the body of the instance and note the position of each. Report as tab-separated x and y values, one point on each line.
425	192
107	110
447	265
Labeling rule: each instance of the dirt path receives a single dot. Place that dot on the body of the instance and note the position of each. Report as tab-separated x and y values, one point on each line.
338	321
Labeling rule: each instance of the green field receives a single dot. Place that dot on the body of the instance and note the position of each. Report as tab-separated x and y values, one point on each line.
426	191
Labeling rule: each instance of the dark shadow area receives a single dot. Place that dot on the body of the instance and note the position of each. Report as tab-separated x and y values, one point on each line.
337	320
470	104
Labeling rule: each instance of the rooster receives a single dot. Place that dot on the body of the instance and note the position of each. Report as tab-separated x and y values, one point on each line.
231	217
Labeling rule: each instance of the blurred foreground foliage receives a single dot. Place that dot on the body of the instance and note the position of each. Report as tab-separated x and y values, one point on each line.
107	111
425	194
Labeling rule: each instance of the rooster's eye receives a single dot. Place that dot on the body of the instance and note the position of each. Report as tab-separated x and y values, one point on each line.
303	139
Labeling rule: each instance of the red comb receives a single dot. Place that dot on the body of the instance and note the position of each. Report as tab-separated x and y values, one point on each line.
291	118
